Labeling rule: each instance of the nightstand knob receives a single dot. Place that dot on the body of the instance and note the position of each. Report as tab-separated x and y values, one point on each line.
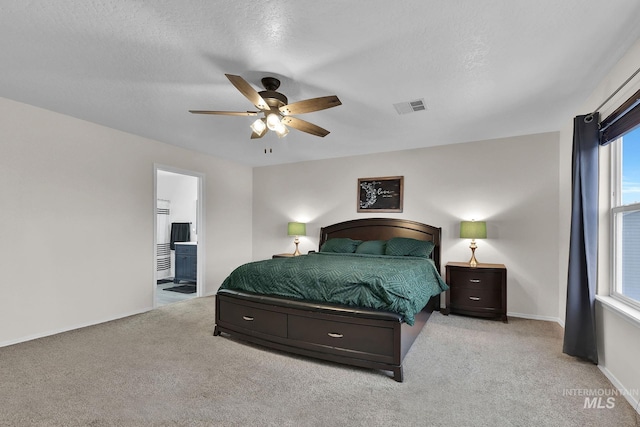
474	280
474	298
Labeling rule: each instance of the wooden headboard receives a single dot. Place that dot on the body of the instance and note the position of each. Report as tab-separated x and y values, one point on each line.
384	229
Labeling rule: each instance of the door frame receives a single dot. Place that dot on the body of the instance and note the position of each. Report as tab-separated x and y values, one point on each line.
200	226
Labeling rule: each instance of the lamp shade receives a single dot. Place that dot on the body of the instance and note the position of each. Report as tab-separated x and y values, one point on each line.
297	229
473	230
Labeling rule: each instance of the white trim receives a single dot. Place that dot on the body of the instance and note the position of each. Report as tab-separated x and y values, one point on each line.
71	328
623	299
625	311
615	188
635	403
626	208
154	215
202	234
200	226
615	241
536	317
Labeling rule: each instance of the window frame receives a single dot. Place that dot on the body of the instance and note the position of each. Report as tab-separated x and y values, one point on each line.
616	207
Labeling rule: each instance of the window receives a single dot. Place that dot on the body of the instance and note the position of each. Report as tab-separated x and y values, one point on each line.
625	213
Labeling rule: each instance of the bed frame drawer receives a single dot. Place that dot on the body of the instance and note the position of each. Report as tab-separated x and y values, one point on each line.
338	336
253	319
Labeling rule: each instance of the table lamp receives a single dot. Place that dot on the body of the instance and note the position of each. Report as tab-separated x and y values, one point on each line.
297	229
473	230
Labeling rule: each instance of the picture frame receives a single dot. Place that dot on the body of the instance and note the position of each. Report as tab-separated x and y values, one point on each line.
380	194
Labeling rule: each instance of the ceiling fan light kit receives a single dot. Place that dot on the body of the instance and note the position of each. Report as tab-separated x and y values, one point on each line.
282	131
259	126
276	109
273	121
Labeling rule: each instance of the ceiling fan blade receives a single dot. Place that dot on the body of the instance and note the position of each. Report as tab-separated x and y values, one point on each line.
226	113
310	105
304	126
248	91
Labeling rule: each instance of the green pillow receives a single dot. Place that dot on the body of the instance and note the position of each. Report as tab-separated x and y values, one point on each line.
342	245
404	246
372	247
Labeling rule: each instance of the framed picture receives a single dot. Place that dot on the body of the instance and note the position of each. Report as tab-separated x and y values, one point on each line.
380	194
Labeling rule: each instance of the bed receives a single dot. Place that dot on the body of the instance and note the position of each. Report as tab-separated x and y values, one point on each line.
364	336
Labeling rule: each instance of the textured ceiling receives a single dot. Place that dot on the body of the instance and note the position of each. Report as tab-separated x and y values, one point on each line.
486	69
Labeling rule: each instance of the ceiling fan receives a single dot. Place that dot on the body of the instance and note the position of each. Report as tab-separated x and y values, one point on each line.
276	109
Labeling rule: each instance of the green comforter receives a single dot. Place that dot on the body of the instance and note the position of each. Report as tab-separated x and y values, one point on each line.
401	285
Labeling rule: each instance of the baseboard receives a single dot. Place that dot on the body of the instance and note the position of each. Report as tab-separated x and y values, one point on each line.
536	317
632	397
71	328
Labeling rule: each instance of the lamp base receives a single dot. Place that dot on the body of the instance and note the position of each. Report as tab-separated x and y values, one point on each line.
297	252
473	262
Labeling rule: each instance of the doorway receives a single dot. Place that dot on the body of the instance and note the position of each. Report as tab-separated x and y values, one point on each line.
179	235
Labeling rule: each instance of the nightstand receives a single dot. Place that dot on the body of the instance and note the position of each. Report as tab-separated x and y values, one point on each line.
477	291
282	256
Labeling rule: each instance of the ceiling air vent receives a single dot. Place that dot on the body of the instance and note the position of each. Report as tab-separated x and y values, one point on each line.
411	106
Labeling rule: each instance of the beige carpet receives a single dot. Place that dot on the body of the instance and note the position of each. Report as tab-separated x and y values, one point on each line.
164	368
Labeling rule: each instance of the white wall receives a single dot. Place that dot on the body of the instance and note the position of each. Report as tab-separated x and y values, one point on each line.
618	336
511	183
77	220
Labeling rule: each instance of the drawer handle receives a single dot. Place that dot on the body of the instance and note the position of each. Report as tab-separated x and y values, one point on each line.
474	298
248	318
334	335
474	280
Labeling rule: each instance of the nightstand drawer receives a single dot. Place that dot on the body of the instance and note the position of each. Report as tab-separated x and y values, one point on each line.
485	299
476	279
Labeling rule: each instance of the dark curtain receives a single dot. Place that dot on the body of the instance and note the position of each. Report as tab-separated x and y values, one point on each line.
579	331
